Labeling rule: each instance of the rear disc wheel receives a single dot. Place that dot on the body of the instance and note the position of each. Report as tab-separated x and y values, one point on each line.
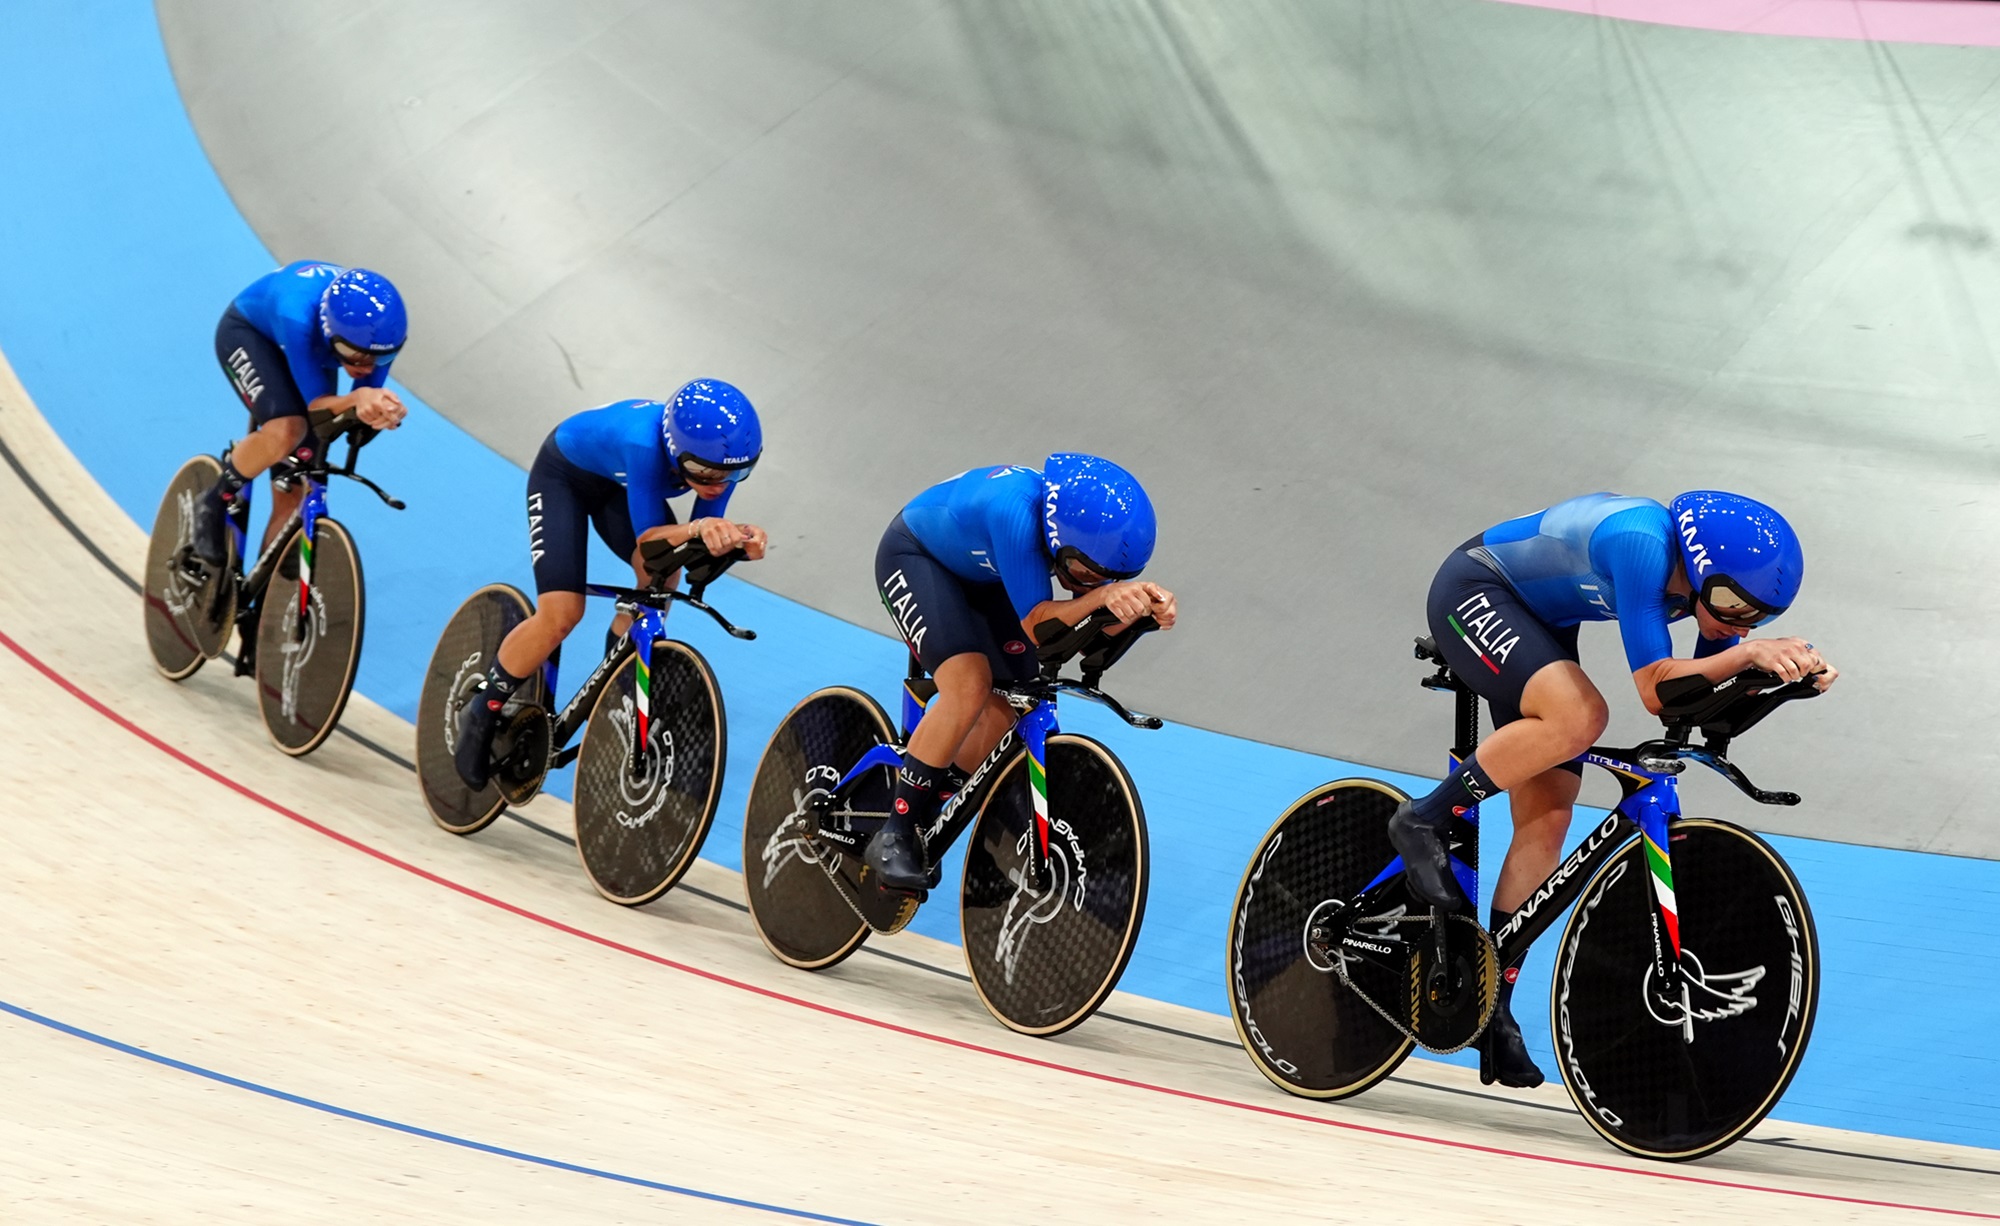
798	911
458	665
187	619
1303	1028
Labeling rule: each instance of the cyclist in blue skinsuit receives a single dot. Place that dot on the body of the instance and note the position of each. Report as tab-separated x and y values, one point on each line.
613	468
283	343
1504	610
964	571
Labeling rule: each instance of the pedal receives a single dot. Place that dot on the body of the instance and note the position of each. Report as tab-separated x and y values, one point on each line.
884	910
521	754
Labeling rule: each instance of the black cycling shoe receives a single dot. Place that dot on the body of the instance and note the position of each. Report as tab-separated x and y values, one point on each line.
477	722
1426	862
209	521
897	856
1503	1054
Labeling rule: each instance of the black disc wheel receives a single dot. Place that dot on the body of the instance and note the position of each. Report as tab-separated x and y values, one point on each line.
797	909
189	608
1045	953
1679	1074
309	637
458	665
641	816
1303	1028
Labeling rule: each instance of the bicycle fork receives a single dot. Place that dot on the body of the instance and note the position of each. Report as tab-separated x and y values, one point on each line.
1652	807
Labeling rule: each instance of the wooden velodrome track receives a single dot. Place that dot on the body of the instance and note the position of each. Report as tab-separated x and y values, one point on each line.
239	987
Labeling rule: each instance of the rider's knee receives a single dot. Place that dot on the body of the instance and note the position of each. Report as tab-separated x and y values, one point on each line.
288	431
965	678
562	618
1583	721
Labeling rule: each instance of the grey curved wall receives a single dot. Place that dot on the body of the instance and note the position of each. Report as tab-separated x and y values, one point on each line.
1344	282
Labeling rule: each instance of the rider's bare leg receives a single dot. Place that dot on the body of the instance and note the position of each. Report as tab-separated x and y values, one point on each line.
963	703
521	653
1562	714
1542	805
283	503
965	683
995	718
531	643
251	455
266	445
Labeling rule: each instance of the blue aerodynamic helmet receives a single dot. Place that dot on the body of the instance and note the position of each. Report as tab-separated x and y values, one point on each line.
1743	560
711	432
363	311
1096	513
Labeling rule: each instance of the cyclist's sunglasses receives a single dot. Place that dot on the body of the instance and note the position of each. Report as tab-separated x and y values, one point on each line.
1083	572
351	355
1732	606
698	472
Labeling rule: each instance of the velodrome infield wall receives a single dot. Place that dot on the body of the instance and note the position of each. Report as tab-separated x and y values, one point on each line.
114	345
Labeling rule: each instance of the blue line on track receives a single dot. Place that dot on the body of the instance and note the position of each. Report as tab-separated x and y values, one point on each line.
298	1100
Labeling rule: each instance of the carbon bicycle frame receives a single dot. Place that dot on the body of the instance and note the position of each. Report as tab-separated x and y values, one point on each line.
311	509
648	625
1651	800
1031	730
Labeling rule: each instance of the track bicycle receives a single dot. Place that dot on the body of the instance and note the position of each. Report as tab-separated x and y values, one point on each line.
302	652
1054	886
654	737
1686	981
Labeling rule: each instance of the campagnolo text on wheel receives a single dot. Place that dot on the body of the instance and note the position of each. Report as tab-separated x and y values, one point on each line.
299	610
1687	977
849	820
654	734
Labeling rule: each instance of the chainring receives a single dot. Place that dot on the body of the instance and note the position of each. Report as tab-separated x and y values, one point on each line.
1438	1013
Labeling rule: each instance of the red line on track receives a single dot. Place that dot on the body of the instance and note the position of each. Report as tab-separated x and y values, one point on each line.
201	768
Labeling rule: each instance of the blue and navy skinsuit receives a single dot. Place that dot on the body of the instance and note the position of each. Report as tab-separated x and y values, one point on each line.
963	564
1508	602
270	343
608	468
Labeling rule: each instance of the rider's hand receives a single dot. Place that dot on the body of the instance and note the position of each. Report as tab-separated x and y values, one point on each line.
1128	600
754	541
719	535
1790	659
1163	609
378	407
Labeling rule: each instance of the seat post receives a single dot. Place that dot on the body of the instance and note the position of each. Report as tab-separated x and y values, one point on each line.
1465	735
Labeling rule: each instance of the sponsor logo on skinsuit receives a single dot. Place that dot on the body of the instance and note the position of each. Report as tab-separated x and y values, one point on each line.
1015	647
244	376
1482	629
901	602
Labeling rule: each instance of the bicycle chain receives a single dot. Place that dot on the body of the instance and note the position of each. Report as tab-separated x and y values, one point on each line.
1416	968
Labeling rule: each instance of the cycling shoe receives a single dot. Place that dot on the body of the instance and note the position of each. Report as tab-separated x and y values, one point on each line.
1426	862
1503	1054
477	722
897	856
209	520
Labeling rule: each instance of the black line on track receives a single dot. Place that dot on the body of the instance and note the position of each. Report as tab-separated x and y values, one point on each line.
90	546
